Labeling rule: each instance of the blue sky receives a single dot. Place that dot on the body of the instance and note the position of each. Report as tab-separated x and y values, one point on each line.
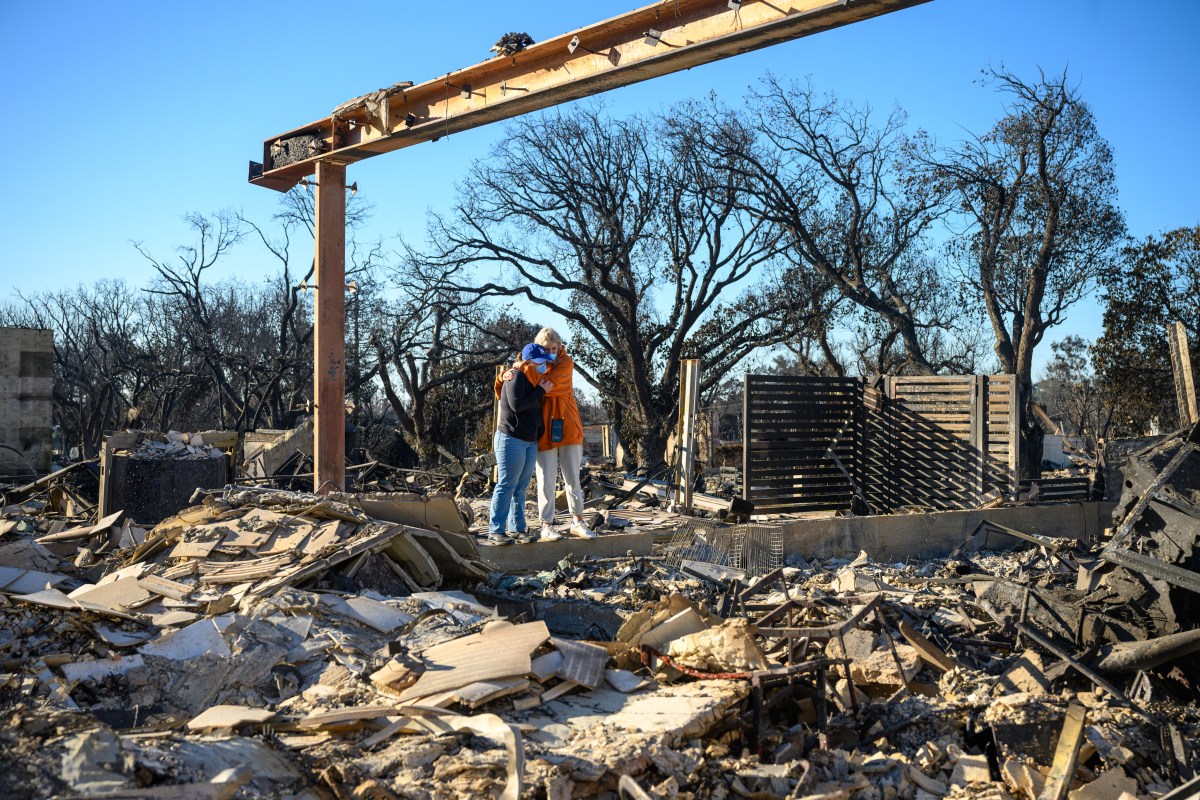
122	117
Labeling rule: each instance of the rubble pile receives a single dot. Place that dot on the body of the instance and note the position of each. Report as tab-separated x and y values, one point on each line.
176	446
278	644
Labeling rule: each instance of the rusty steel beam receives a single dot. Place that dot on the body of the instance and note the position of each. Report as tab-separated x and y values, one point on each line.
329	331
656	40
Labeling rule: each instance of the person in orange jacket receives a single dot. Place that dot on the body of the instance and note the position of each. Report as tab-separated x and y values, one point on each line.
560	447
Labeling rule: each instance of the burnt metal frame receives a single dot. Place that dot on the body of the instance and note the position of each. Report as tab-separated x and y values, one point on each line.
1117	553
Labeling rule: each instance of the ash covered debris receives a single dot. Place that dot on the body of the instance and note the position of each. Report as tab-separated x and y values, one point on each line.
295	148
277	644
175	445
512	43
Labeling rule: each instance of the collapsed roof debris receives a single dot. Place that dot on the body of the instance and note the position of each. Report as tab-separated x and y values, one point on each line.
267	643
512	43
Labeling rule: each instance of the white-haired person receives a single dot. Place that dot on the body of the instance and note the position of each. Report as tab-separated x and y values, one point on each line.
560	446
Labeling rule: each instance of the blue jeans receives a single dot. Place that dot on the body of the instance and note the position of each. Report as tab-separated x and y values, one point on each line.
515	460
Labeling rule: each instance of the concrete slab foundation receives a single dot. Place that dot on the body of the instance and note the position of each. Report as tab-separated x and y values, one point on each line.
934	535
543	555
888	538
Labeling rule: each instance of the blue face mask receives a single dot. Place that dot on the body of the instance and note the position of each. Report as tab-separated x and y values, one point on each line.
541	368
552	357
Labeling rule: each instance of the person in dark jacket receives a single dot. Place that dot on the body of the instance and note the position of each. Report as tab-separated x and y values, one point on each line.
516	442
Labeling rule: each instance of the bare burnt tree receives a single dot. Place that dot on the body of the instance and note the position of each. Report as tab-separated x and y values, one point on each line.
1070	392
101	367
252	343
198	316
839	189
1157	284
436	358
289	384
1036	199
621	228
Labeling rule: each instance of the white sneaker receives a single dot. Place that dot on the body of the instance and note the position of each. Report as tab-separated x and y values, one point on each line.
549	534
581	530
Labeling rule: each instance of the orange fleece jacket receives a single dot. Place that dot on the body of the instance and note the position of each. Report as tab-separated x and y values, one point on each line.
559	402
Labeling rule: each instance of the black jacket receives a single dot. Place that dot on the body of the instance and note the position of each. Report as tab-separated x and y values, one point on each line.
521	408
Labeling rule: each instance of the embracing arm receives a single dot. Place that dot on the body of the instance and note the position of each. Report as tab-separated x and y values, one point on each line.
562	373
526	396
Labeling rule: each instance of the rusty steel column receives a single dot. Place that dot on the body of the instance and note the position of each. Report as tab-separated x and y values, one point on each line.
329	334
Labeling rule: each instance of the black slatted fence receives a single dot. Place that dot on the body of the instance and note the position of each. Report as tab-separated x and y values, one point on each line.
803	442
937	442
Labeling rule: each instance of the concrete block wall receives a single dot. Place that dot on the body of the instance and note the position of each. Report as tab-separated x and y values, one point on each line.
26	405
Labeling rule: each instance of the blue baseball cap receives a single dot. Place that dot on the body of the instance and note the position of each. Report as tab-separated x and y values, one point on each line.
535	353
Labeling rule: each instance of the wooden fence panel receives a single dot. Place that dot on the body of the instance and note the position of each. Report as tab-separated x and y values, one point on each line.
803	443
935	464
928	442
877	450
1003	444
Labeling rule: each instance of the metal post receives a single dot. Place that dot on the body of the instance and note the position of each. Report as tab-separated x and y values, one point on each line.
979	437
329	335
714	435
500	370
689	390
746	437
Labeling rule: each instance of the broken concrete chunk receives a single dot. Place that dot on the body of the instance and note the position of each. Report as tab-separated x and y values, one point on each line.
926	783
729	647
970	769
682	624
878	672
199	638
1023	778
92	761
624	681
1026	674
395	675
229	717
679	714
1108	784
77	671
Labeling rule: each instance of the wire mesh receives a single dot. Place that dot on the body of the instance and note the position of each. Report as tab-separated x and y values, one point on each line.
760	548
700	540
756	549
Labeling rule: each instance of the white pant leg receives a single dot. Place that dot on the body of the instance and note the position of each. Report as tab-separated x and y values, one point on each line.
570	456
547	469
